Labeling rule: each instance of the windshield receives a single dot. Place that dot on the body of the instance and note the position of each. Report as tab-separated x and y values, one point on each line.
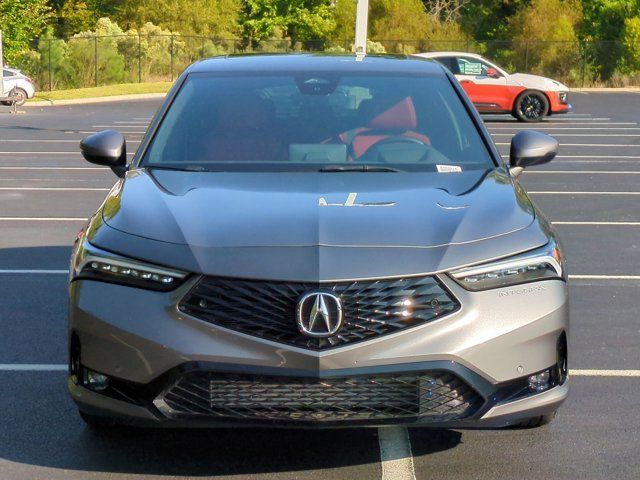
325	122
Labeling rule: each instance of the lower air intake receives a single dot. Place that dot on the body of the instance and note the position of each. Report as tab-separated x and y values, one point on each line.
430	396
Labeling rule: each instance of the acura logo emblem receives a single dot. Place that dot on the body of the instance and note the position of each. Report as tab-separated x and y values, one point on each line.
319	314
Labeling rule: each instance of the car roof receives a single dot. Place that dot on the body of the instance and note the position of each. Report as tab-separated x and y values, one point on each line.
317	62
447	54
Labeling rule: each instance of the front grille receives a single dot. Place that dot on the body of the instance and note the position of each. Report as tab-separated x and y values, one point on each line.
267	309
426	396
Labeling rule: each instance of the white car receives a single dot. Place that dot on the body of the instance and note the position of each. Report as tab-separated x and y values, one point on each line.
23	85
529	98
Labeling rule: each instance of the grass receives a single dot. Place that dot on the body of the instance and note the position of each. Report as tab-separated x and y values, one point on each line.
106	91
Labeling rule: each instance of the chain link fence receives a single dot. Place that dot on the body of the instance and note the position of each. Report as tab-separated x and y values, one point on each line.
89	61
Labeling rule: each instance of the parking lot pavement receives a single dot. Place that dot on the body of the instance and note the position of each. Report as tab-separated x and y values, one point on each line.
591	192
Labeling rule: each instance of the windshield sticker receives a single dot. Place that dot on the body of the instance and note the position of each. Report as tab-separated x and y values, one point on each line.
471	68
449	168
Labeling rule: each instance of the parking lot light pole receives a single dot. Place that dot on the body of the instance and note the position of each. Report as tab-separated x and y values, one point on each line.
1	68
362	16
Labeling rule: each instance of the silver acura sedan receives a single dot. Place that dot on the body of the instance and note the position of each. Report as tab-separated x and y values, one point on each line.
318	241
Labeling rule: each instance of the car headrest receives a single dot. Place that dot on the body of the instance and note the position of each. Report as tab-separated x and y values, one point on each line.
247	112
401	116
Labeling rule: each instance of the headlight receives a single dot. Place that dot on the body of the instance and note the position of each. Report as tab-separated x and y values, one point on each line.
92	263
563	97
545	263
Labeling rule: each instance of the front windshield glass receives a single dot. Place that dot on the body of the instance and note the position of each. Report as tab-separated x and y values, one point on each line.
306	122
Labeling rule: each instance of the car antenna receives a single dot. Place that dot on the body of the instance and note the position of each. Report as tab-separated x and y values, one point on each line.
362	17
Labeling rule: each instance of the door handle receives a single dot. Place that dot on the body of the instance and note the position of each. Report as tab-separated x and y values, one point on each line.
466	81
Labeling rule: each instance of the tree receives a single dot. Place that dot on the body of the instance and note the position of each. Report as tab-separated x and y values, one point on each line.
489	19
545	34
602	31
402	26
74	16
212	18
298	19
631	42
21	21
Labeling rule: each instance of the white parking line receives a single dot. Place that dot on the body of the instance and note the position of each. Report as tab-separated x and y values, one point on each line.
589	145
56	189
89	132
106	169
598	156
572	172
604	277
395	453
144	122
34	272
577	135
119	126
37	140
605	373
574	128
33	367
77	152
546	122
610	224
551	125
43	219
582	193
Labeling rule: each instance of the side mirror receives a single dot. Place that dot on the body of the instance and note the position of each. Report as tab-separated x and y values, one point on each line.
492	72
530	148
108	148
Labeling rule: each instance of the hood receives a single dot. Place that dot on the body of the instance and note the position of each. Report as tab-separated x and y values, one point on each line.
207	209
534	81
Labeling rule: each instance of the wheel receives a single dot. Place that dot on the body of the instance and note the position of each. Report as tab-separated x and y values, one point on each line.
21	98
531	106
536	422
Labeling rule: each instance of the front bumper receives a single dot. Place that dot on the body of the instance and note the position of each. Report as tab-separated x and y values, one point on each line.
142	340
559	102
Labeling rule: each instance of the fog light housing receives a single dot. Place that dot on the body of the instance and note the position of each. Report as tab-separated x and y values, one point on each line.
95	381
540	381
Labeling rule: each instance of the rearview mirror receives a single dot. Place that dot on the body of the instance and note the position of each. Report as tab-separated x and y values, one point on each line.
492	72
530	148
108	148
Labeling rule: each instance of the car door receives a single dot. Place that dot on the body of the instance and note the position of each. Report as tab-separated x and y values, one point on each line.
486	86
8	81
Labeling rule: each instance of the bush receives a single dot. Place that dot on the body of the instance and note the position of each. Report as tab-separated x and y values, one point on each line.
631	42
544	37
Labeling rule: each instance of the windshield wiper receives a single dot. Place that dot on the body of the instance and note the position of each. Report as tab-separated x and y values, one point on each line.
359	168
181	168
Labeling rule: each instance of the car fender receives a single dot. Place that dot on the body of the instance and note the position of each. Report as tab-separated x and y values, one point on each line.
535	82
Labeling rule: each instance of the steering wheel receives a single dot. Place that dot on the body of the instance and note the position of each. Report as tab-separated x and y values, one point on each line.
374	153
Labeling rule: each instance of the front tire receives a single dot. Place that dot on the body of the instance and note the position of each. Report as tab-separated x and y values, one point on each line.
531	106
21	96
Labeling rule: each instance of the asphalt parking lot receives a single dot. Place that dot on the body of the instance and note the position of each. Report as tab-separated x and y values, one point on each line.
591	192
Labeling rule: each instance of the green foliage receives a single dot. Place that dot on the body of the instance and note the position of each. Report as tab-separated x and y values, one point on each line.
297	19
74	16
602	30
21	21
213	18
103	41
544	35
631	42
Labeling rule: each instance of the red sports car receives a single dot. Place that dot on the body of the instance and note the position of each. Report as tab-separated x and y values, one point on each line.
529	98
